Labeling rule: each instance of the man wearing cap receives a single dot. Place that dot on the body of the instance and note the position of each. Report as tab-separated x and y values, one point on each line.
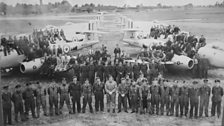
120	72
53	91
7	106
76	68
122	95
175	93
98	90
204	93
194	99
128	85
99	70
117	51
112	69
128	70
139	80
40	94
18	103
87	96
144	68
155	96
28	97
92	69
64	96
75	91
217	93
184	99
134	97
165	98
144	96
84	72
110	88
136	70
106	72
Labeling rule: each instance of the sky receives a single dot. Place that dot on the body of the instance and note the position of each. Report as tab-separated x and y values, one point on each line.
120	2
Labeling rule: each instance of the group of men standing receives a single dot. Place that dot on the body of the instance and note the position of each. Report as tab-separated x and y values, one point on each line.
168	97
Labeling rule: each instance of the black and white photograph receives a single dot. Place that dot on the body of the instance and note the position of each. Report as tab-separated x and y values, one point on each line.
111	62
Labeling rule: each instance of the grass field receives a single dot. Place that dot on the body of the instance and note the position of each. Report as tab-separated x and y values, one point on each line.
207	21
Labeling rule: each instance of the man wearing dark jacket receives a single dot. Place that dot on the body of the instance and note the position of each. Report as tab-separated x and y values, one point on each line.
28	96
217	93
98	90
204	93
194	99
75	91
17	99
7	106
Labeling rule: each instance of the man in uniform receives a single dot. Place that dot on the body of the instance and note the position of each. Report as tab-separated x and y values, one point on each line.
99	70
53	91
144	68
18	103
87	96
112	69
136	70
184	99
75	93
122	95
120	72
194	99
98	90
84	72
106	71
128	70
144	96
134	97
64	96
175	92
76	68
165	98
28	96
110	88
203	67
91	73
117	51
204	93
7	106
155	96
40	94
153	70
128	84
217	93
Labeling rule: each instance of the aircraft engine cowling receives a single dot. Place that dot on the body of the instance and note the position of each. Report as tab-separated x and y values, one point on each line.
31	66
182	62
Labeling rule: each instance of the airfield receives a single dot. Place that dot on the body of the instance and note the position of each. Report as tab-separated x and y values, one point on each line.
206	21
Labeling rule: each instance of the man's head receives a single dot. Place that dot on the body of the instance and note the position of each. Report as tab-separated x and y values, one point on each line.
123	80
28	84
87	81
110	78
5	88
205	81
144	81
18	87
74	79
217	82
98	80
